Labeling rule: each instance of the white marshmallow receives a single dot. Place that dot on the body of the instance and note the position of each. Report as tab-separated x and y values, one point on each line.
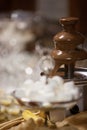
54	90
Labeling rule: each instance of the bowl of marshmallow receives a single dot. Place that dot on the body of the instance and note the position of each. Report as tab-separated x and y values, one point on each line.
50	93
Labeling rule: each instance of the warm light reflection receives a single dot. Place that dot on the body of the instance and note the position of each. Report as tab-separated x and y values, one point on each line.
59	52
61	37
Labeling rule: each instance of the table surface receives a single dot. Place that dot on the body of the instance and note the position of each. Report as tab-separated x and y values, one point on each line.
64	128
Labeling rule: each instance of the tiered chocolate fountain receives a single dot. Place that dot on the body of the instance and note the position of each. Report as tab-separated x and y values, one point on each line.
66	51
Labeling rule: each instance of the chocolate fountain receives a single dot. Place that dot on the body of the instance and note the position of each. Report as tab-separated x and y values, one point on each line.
67	50
65	54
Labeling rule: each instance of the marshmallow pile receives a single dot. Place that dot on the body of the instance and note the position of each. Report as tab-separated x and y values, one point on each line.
56	90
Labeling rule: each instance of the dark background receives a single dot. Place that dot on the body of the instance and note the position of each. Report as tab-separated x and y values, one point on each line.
76	8
9	5
79	8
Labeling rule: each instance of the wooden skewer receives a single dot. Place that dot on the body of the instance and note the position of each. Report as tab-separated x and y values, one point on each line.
11	123
19	118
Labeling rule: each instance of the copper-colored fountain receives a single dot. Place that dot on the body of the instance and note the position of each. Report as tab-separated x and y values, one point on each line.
66	51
